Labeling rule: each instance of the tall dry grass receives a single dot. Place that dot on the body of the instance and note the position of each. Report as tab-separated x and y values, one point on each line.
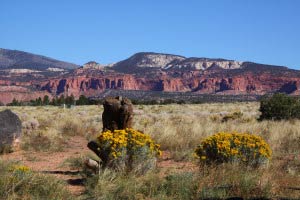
48	128
179	129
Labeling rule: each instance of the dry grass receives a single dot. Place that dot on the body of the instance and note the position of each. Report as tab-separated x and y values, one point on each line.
179	129
19	182
48	128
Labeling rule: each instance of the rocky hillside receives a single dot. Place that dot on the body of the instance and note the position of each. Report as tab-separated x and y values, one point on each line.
155	72
146	60
13	59
203	64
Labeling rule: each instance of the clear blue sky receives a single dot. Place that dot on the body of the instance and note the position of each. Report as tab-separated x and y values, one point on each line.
78	31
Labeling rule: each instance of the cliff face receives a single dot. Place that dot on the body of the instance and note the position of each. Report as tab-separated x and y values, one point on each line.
185	82
202	84
203	64
83	85
22	93
154	72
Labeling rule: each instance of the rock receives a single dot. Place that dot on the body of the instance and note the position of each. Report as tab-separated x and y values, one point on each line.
146	59
92	164
10	130
204	63
93	65
117	114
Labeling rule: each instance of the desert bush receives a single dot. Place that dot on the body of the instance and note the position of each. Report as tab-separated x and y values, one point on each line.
29	126
19	182
71	127
43	140
112	185
232	116
233	147
74	163
181	185
127	149
279	106
231	180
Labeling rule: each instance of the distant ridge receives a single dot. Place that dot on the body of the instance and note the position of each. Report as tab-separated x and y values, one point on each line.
146	60
27	76
14	59
170	61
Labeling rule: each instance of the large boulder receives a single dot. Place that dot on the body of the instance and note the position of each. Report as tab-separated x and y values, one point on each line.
10	130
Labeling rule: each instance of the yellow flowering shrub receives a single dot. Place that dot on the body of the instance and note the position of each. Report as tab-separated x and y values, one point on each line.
233	147
20	168
19	172
128	149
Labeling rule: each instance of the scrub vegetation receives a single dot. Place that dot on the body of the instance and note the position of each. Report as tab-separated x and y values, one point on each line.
271	147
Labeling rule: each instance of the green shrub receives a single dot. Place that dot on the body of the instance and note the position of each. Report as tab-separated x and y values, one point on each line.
232	116
279	106
233	147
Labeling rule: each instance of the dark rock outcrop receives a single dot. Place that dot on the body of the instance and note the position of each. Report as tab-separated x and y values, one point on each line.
117	114
10	129
289	87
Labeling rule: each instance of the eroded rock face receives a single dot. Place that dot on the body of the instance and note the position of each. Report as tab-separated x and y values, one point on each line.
10	129
146	59
168	61
208	82
7	95
93	65
204	63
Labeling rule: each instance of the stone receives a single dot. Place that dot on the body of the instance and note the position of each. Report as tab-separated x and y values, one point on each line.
117	114
92	164
10	130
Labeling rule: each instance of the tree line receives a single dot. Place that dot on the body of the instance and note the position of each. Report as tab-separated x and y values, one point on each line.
56	101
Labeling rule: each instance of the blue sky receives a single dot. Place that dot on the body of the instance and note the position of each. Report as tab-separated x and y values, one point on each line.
78	31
